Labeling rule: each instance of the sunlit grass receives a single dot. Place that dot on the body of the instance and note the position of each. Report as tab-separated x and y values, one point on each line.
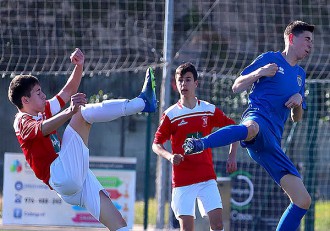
322	214
152	212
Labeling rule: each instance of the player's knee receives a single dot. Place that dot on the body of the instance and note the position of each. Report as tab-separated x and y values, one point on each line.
86	114
82	117
215	217
306	201
217	226
253	129
186	222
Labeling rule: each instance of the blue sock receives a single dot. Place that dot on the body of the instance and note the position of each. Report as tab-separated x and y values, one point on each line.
291	218
225	136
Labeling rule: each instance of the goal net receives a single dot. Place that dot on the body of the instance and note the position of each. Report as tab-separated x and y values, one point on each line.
223	37
38	36
220	37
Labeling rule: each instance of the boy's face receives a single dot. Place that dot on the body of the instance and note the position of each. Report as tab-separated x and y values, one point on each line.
186	85
36	102
302	44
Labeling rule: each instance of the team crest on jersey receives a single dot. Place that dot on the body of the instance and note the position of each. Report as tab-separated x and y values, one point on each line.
204	118
299	80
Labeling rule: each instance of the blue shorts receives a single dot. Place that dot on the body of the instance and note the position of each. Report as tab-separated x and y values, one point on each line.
266	150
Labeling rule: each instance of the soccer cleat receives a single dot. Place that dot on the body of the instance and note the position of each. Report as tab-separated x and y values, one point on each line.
148	93
193	146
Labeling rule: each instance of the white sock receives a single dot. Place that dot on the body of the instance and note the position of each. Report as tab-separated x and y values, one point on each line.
110	110
123	229
134	106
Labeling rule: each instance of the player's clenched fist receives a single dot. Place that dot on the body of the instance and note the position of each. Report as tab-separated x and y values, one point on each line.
77	57
294	101
77	100
176	159
268	70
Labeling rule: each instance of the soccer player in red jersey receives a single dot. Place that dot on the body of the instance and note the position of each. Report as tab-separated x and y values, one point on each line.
63	164
193	176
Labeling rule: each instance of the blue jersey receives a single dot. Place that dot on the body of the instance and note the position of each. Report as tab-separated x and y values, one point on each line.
268	95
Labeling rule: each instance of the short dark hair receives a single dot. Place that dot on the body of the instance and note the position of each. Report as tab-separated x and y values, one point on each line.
297	27
184	68
21	85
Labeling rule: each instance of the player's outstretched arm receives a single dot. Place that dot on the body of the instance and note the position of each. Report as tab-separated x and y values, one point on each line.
71	87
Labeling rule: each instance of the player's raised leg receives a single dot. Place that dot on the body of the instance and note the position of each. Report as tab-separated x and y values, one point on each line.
109	110
246	131
112	109
223	136
148	93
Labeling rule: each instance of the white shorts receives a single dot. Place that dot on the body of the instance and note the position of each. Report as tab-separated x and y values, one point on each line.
206	193
71	177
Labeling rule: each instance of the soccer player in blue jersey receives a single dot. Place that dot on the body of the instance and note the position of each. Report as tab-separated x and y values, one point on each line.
277	90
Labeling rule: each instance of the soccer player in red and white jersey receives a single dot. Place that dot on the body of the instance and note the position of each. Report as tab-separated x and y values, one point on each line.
193	176
63	164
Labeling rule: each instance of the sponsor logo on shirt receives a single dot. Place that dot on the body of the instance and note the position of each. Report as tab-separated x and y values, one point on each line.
182	122
299	80
195	135
281	70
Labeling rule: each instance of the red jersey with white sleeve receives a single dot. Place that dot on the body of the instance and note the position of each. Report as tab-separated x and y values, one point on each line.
39	150
177	124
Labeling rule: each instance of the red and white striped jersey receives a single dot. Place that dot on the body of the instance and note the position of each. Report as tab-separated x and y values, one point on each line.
177	124
39	150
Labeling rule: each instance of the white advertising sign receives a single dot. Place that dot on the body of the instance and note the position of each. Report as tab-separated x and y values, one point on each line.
27	200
